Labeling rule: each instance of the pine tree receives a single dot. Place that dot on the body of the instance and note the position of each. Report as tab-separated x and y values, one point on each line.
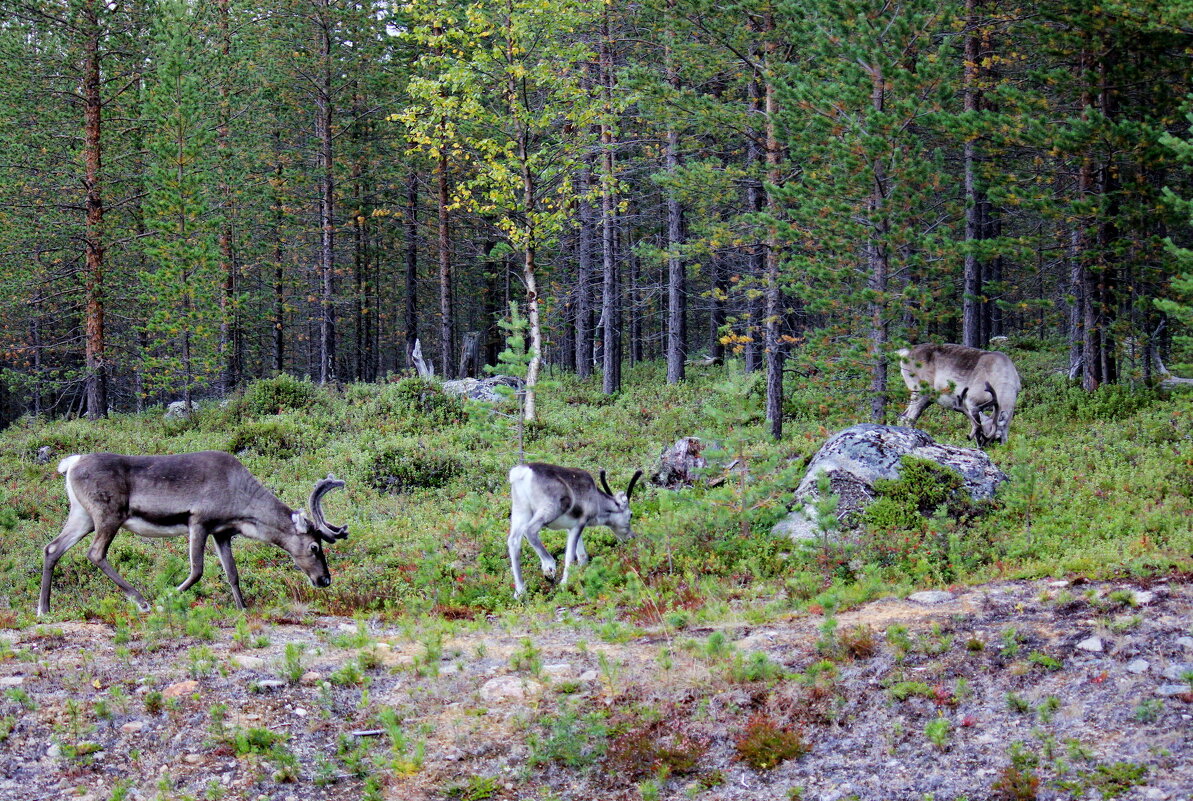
182	290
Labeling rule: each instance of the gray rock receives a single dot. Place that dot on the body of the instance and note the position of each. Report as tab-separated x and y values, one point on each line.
248	662
1169	690
1137	666
678	464
43	455
1143	598
11	681
1176	671
509	688
482	389
1093	644
271	684
1185	642
857	457
178	410
931	597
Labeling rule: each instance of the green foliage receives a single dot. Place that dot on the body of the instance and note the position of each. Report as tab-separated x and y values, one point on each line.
764	744
906	689
569	738
279	394
276	438
402	468
938	732
417	404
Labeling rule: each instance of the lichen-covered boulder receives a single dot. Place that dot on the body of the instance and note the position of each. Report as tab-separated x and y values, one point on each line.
857	457
679	464
481	389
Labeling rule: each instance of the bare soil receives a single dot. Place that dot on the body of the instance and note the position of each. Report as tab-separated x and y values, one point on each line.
1031	710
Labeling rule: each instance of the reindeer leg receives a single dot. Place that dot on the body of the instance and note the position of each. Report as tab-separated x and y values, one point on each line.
546	560
919	402
581	554
98	554
78	525
528	529
569	554
198	541
223	547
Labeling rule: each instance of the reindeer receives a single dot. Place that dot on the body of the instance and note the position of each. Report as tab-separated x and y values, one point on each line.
196	495
548	496
967	380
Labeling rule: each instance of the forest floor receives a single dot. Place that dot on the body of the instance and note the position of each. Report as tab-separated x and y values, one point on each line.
1048	689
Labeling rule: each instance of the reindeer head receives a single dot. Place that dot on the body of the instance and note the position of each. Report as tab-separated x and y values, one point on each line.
307	547
618	518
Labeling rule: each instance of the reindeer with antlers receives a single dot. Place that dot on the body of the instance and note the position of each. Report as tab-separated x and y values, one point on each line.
549	496
196	495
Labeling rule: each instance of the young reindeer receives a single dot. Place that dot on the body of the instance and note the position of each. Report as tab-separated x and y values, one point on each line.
548	496
967	380
195	495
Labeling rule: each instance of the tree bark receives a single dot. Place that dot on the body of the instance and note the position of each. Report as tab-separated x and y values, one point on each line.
410	229
323	132
279	286
971	303
878	258
447	322
676	290
94	307
584	311
755	201
610	297
774	295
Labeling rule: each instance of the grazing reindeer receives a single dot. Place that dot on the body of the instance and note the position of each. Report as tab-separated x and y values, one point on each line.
968	380
548	496
196	495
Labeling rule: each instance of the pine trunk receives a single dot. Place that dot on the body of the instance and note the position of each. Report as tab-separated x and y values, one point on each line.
410	229
94	348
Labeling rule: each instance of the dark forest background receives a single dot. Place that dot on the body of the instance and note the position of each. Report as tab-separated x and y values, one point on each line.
194	195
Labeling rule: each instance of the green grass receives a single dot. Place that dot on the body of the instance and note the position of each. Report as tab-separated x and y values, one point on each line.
1101	486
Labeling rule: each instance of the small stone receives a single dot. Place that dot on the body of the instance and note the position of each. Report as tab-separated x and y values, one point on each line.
1177	670
1170	690
1137	666
194	759
302	713
180	689
133	726
1144	598
450	667
11	681
1093	644
508	688
1185	642
310	677
271	684
930	597
248	662
559	671
1058	583
54	751
588	676
1154	793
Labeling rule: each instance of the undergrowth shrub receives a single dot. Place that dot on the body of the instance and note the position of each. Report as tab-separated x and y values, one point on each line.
277	438
652	750
279	394
419	404
765	744
402	468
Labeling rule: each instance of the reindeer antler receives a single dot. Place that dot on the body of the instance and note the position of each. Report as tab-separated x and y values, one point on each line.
327	531
605	484
630	489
